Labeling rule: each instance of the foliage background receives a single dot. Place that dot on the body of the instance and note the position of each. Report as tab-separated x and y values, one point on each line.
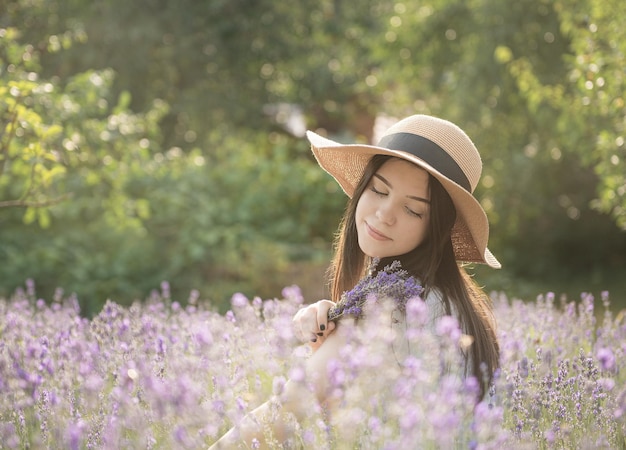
155	140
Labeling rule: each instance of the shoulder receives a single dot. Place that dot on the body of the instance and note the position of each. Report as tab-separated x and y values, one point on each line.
435	305
434	299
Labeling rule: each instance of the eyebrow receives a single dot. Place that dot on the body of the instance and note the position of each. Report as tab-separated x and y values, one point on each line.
413	197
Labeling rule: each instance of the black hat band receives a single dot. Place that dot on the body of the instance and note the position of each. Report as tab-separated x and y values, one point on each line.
430	153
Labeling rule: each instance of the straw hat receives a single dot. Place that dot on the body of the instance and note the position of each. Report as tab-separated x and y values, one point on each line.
439	147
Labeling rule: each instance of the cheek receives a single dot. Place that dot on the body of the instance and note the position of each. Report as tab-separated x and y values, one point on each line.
361	208
418	233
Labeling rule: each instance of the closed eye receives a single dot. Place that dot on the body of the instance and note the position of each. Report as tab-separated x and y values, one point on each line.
413	213
377	192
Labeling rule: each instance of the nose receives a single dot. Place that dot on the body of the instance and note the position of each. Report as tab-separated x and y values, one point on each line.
385	214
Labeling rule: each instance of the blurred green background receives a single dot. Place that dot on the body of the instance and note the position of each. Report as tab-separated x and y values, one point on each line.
159	140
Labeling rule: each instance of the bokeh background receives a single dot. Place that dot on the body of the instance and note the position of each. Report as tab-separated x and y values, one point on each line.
159	140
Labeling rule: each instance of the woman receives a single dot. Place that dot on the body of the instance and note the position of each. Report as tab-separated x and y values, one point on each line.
410	201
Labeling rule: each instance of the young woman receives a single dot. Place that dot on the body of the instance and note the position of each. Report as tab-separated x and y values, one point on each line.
410	201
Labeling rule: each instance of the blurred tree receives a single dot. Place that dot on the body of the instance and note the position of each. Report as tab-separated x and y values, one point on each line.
501	70
592	105
223	180
29	164
66	155
138	215
554	119
56	141
224	62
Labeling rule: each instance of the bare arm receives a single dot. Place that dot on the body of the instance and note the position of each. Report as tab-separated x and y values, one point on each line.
274	418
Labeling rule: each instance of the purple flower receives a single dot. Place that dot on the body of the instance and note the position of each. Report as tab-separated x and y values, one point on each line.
472	386
165	290
374	425
605	298
194	295
416	311
242	405
30	287
239	300
392	282
336	374
449	326
180	435
606	358
278	384
293	293
74	434
408	419
522	367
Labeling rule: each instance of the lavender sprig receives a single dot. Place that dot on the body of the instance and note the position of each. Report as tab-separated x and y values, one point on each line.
392	282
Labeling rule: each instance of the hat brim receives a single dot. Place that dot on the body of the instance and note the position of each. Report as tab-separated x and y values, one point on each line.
346	164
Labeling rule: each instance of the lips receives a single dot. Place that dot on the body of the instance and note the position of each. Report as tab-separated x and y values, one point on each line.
375	234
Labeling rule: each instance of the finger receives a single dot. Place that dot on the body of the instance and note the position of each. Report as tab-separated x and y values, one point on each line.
299	321
305	323
316	342
323	306
295	325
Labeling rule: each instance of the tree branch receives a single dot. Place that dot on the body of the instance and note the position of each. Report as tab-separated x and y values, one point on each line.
4	147
41	204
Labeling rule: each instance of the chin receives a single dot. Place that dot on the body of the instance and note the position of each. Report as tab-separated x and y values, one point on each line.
375	254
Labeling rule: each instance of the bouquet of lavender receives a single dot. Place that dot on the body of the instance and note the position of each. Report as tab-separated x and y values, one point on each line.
392	282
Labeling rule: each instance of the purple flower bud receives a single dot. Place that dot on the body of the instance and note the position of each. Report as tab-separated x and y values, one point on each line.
606	358
161	345
416	310
278	384
605	297
308	437
194	296
30	287
219	406
374	425
522	367
607	384
472	386
180	435
58	295
74	434
242	405
448	326
293	293
297	374
238	300
204	337
165	290
336	374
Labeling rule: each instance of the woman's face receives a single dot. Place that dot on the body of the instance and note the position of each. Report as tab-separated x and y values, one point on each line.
393	212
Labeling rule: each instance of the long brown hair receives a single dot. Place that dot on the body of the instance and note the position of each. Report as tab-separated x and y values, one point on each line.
434	263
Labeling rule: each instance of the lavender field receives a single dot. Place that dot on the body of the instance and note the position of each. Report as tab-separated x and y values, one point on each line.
159	375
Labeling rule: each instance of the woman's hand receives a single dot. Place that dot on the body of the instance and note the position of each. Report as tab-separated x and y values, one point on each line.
311	323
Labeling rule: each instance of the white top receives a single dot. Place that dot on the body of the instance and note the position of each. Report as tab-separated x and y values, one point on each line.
428	344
